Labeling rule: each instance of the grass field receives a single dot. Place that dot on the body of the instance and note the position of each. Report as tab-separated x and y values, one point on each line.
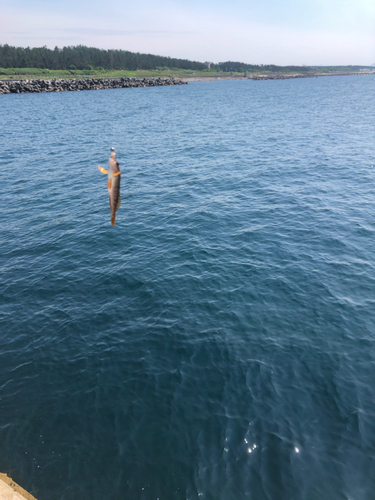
36	73
47	74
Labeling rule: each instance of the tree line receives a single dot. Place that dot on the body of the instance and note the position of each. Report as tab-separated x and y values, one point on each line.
241	67
81	57
87	58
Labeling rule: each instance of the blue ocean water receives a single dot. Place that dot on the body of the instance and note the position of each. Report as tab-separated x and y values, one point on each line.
218	343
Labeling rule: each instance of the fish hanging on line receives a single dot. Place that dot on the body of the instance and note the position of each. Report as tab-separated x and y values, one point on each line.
113	184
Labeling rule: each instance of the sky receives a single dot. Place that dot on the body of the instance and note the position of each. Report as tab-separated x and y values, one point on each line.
282	32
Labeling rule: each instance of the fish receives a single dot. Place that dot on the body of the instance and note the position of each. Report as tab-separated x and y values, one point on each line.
113	183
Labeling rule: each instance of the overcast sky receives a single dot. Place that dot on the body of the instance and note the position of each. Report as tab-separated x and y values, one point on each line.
283	32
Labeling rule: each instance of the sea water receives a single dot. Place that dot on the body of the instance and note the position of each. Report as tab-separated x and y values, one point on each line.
218	343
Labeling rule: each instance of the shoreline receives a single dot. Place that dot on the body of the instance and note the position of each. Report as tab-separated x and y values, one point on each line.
67	85
274	76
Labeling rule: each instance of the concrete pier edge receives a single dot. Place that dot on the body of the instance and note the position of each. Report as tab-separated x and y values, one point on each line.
10	490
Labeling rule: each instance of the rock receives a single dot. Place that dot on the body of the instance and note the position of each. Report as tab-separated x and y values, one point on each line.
28	86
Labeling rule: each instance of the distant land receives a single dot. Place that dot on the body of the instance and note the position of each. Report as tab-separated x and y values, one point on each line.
88	59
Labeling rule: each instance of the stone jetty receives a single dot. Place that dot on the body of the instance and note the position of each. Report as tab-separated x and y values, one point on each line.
59	85
277	77
281	76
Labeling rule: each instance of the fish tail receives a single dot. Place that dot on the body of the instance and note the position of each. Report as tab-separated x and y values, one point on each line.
113	218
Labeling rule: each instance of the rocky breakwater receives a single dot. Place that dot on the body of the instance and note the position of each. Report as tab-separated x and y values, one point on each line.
282	76
277	77
31	86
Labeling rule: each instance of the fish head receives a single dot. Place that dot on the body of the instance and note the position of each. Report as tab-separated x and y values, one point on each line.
113	165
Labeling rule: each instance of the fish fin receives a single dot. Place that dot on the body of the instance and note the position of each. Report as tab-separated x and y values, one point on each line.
118	203
113	219
103	170
117	173
109	183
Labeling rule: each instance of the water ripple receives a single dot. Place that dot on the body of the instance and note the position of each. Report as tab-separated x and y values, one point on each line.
218	343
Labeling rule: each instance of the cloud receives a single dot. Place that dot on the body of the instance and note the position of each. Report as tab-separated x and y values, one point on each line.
201	33
111	32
